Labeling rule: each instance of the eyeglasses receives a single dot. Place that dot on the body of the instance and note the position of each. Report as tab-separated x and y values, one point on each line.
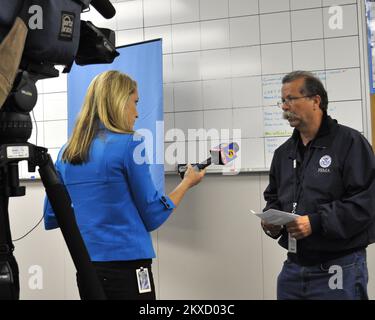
289	101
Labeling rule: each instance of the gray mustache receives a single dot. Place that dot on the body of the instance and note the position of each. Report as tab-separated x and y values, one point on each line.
288	115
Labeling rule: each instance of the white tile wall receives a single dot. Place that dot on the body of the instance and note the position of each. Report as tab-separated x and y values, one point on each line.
39	108
276	58
184	10
307	24
215	64
55	133
266	6
55	106
244	31
168	96
188	96
129	14
217	94
215	55
349	52
280	30
337	2
186	37
215	34
245	61
251	154
305	4
186	66
308	55
40	86
58	84
168	68
343	111
247	92
157	12
124	37
221	9
218	119
243	7
189	120
241	119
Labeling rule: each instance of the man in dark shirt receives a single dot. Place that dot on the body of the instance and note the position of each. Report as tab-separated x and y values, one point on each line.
325	174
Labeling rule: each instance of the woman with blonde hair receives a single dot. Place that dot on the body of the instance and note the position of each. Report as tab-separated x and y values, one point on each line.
115	201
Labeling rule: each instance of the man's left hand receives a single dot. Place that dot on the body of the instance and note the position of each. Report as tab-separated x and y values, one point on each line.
299	228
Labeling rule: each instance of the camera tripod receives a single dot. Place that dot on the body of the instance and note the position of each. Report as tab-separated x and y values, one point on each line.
10	155
15	130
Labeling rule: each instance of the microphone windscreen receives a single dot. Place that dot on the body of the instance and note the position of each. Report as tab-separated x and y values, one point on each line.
104	7
229	152
224	153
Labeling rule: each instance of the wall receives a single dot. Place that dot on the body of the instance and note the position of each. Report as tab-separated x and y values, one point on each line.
223	61
211	248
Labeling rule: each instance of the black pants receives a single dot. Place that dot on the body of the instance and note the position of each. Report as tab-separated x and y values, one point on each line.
119	279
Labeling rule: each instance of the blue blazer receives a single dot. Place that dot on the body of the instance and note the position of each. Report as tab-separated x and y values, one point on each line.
115	200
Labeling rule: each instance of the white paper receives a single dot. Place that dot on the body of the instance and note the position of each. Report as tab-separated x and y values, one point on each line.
276	217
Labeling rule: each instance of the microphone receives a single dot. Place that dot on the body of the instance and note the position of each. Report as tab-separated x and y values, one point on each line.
220	155
104	7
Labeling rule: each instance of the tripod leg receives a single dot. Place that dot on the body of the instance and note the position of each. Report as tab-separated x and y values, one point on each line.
61	205
9	279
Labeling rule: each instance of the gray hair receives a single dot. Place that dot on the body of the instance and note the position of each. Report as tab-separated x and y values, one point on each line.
311	87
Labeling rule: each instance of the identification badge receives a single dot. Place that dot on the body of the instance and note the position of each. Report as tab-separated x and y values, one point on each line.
292	244
143	280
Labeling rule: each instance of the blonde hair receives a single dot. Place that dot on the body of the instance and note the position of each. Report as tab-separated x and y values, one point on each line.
106	102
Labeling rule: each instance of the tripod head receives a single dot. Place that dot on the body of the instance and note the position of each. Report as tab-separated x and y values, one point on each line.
35	36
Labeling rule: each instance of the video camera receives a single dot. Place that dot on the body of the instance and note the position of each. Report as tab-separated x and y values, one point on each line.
35	36
41	34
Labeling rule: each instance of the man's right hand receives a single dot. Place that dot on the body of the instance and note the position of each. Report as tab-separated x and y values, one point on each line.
271	229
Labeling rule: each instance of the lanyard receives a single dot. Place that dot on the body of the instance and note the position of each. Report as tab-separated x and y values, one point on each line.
298	178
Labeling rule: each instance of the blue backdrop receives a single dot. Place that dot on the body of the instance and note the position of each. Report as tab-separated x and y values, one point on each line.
142	62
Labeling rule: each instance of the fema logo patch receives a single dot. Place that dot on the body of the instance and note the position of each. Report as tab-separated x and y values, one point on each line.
325	161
